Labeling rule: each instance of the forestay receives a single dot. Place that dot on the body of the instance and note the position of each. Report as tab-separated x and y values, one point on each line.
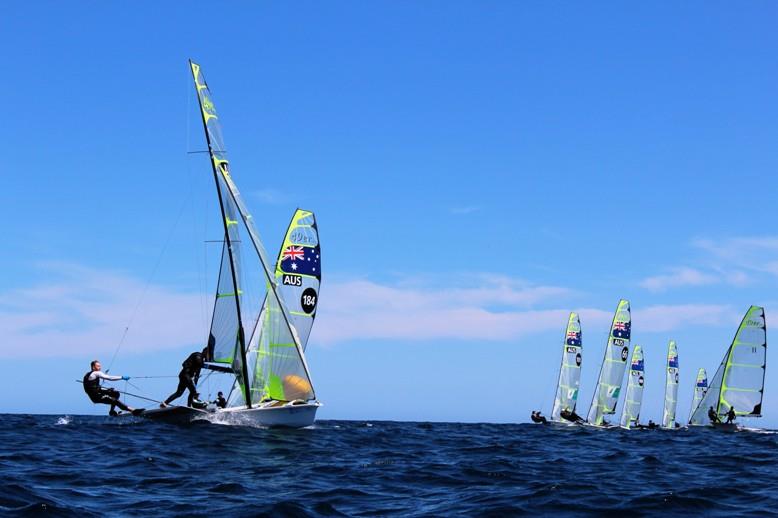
630	414
570	370
671	386
606	395
739	380
700	388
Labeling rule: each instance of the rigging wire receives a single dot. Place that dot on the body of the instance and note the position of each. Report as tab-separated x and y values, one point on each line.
150	279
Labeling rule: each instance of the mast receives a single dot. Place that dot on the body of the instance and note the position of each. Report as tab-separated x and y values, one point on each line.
227	242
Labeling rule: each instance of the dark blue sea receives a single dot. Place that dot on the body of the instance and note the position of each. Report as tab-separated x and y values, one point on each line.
95	466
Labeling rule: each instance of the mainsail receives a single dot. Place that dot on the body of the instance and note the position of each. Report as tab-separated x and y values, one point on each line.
630	414
570	371
671	387
606	395
700	388
296	377
739	380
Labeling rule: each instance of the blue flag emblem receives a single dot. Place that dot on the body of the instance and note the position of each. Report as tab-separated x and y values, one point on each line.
301	260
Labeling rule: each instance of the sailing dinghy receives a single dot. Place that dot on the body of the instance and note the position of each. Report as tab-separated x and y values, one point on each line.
739	380
630	413
700	388
261	354
606	395
569	374
671	388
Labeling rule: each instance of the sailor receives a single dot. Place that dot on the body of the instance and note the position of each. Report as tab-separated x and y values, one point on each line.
220	401
714	418
570	415
105	396
731	415
190	371
537	418
651	424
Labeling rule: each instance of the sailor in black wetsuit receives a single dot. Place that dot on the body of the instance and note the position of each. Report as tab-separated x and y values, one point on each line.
190	371
714	418
537	418
105	396
731	415
220	401
571	416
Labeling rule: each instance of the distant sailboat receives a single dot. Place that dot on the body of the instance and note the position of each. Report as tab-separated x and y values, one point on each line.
569	373
739	380
606	395
700	388
630	413
671	387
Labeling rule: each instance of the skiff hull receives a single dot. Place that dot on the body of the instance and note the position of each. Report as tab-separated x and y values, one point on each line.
284	416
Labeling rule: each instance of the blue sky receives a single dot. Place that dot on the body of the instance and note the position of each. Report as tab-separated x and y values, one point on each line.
478	169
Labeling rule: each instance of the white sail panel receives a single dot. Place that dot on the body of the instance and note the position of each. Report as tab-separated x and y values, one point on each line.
298	272
671	386
630	414
700	388
570	370
606	395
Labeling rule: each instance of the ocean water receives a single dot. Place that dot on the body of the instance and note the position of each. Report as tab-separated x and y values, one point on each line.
95	466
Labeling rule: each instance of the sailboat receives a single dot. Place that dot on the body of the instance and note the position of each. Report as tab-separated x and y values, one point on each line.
260	353
606	395
569	373
671	387
630	413
700	388
739	380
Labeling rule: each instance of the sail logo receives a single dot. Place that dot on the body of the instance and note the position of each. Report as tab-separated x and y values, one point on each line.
578	360
301	260
292	280
299	237
641	381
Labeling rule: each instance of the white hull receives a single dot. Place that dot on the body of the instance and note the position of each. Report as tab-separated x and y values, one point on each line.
285	416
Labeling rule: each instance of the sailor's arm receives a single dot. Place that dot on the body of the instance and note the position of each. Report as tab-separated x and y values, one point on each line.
106	377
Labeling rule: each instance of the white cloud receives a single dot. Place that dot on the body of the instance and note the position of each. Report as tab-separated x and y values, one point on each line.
365	310
669	317
83	312
679	277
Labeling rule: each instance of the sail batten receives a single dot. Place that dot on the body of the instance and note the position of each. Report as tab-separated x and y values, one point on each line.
606	395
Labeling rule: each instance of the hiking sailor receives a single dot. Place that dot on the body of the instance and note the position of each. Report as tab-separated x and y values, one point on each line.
105	396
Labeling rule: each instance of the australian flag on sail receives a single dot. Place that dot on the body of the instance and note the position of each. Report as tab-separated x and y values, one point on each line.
702	383
637	365
621	330
673	362
301	260
573	338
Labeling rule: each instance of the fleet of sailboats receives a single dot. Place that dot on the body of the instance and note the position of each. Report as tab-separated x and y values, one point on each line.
261	352
736	389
